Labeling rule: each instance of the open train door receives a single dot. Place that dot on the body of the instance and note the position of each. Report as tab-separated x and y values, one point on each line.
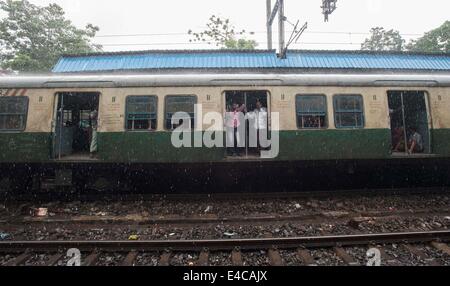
250	99
409	114
73	124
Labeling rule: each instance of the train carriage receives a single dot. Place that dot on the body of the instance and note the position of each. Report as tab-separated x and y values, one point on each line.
335	109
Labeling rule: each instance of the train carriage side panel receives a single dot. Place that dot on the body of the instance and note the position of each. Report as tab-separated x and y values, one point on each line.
331	143
439	102
33	144
116	144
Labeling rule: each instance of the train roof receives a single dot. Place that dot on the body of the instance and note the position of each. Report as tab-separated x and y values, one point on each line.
252	61
169	80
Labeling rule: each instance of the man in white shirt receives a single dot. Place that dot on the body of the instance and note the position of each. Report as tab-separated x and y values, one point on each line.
259	119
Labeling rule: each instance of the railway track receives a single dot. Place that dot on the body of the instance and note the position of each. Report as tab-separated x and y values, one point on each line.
136	219
272	251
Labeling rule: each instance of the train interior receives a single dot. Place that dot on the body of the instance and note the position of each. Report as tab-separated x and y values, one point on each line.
74	123
249	99
408	112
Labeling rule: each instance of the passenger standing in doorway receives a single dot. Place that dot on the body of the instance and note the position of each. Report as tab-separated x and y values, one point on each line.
94	143
259	117
232	123
415	142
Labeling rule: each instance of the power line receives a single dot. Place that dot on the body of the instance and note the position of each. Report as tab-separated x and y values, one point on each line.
260	43
257	32
140	35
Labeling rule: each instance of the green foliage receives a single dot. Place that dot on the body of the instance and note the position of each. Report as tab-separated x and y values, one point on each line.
382	40
223	34
437	40
32	38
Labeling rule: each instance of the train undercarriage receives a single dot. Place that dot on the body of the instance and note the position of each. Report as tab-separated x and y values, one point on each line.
225	177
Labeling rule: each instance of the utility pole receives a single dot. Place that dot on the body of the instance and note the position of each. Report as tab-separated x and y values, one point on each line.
328	7
271	15
281	20
269	26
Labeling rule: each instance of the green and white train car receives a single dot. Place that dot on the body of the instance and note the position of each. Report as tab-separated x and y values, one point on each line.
324	116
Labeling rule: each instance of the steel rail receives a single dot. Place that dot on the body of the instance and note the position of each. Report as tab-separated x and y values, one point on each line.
229	244
268	218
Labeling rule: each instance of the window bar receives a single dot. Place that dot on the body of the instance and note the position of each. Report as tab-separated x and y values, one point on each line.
246	133
61	126
404	122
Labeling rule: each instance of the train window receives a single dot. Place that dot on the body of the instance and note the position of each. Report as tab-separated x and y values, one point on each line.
349	111
141	113
13	113
176	104
311	111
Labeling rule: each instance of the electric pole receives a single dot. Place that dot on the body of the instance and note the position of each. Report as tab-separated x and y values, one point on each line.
269	26
328	7
281	25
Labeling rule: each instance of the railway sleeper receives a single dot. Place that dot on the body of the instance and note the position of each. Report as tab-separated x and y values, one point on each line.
130	258
203	259
306	257
442	247
19	260
275	257
236	257
92	259
421	255
347	258
54	259
165	258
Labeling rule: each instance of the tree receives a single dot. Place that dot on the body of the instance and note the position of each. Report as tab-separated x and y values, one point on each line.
382	40
32	38
223	34
437	40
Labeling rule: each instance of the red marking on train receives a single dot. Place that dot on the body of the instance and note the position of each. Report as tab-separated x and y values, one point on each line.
24	91
15	91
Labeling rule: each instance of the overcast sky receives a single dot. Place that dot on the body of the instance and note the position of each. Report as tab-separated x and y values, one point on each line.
176	17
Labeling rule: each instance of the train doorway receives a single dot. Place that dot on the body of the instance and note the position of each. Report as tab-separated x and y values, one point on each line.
75	123
255	107
409	122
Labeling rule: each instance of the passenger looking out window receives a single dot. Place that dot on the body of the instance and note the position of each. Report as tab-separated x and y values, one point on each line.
415	144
